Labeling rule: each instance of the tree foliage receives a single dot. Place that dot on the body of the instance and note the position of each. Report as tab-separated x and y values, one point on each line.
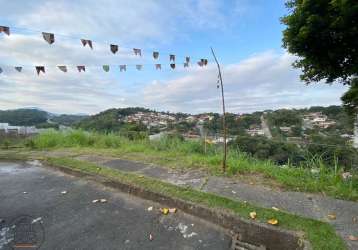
324	34
23	117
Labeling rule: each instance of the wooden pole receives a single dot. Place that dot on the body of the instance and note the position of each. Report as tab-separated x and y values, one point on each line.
224	113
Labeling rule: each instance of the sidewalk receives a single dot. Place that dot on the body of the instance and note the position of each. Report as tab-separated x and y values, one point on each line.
309	205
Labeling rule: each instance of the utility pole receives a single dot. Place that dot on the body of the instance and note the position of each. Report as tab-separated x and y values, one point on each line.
224	113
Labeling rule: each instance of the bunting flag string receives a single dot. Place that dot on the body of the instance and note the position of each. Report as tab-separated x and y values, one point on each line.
105	67
50	38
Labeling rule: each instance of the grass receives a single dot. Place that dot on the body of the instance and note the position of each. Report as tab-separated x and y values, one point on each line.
174	153
321	235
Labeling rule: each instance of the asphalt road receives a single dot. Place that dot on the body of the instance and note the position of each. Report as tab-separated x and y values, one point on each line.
73	221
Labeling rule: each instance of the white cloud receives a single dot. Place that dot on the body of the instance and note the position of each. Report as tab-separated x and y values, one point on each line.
263	81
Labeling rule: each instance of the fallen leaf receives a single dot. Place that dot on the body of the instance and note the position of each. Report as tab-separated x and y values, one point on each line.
232	191
331	216
253	215
24	192
95	201
151	237
251	183
103	200
353	238
273	221
275	208
165	211
354	219
150	208
140	176
64	192
172	210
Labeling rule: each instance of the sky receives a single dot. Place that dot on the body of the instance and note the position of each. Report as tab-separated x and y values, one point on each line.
245	34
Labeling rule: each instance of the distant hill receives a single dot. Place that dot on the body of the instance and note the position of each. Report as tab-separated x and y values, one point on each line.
37	117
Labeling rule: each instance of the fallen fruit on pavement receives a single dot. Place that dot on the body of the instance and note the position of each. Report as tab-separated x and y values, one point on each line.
172	210
331	216
272	221
165	211
352	237
253	215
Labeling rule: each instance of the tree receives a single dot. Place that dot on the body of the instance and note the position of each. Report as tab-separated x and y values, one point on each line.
324	35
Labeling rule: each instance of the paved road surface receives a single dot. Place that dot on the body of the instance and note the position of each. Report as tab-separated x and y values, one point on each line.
72	221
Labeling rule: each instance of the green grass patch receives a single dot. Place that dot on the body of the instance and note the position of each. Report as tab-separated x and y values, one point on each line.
320	234
174	153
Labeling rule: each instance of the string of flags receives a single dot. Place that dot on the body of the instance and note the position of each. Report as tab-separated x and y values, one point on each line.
114	48
106	68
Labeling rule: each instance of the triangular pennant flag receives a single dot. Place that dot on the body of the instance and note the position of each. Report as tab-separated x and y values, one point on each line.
172	65
63	68
200	63
18	69
40	69
85	42
187	59
204	61
114	48
122	68
155	55
81	68
106	68
158	66
49	37
186	65
5	29
172	58
139	67
137	52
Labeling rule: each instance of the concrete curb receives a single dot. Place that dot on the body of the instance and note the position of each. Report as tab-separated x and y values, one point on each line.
249	231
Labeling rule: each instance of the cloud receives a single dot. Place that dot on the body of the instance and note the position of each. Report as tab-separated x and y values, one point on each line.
263	81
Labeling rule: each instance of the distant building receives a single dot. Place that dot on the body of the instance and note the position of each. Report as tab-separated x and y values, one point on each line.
255	131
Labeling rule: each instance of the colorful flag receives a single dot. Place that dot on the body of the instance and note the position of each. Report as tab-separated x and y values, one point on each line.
5	29
106	68
85	42
137	52
204	62
40	69
172	58
158	66
186	65
49	37
122	68
63	68
187	59
81	68
18	69
172	65
200	63
139	67
155	55
114	48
